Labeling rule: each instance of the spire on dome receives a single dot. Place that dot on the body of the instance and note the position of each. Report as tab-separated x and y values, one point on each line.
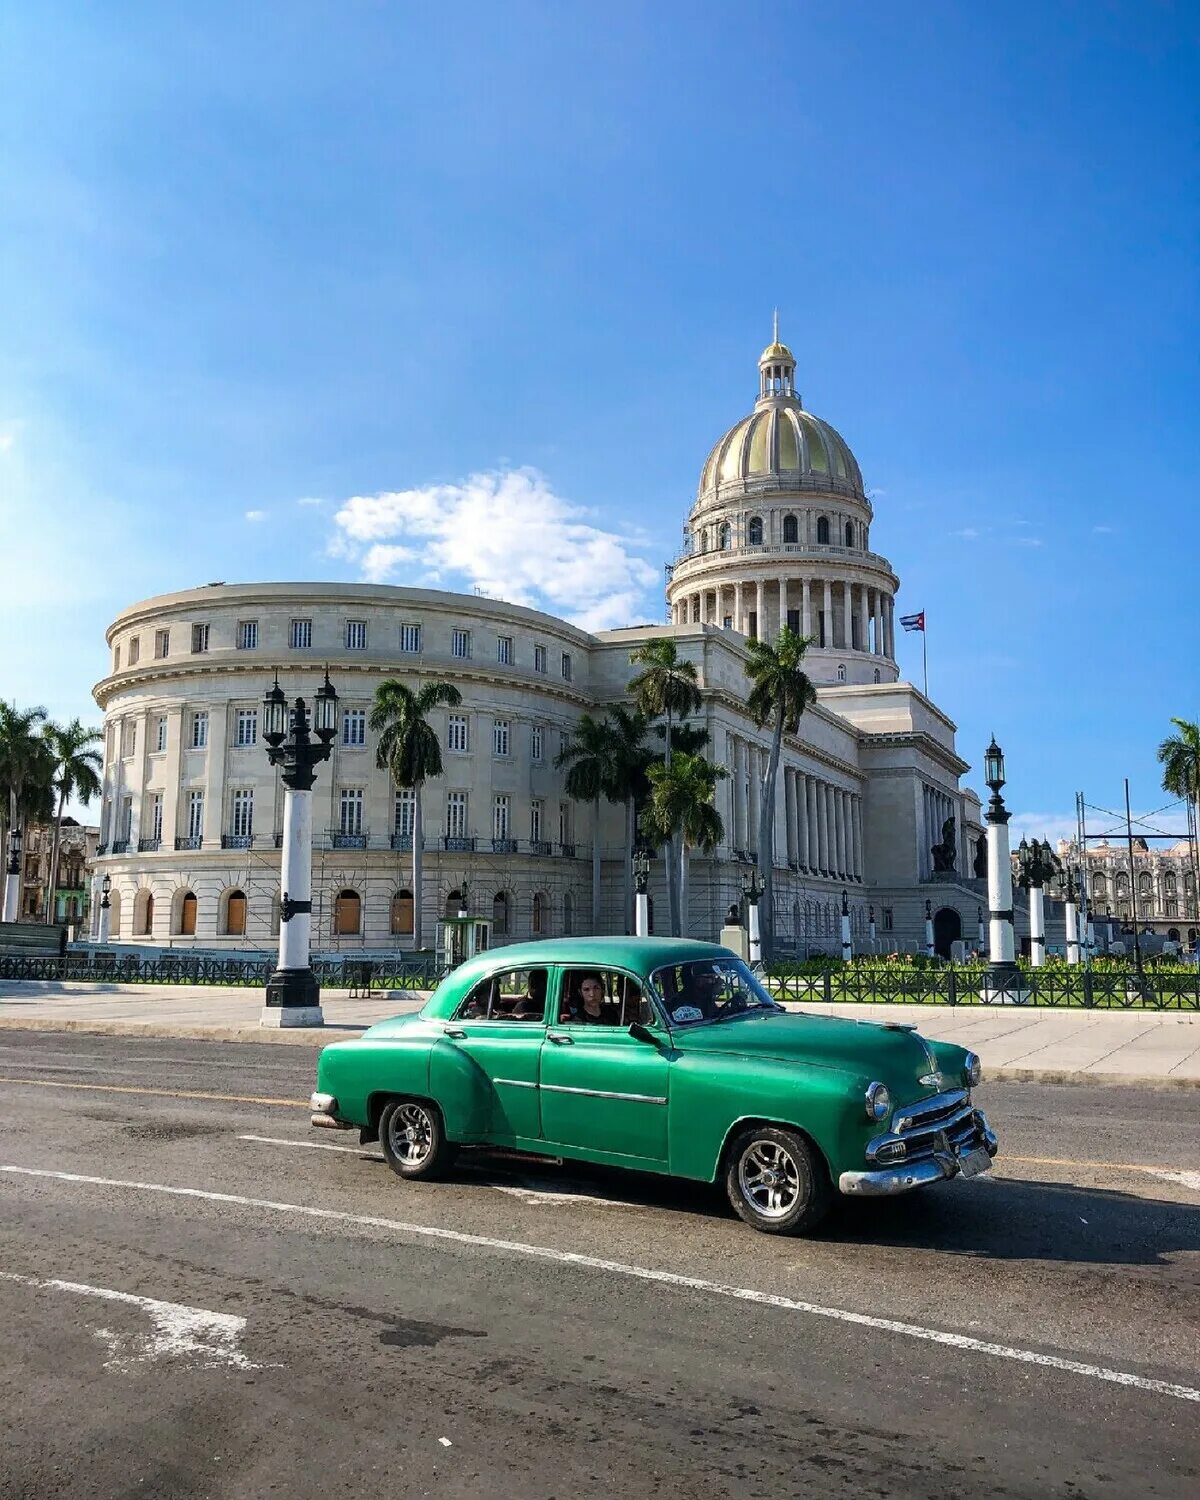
776	366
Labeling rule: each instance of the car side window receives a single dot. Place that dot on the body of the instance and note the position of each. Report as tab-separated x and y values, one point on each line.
513	995
602	997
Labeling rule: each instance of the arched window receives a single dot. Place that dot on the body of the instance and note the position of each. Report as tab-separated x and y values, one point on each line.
1169	884
568	914
704	540
1099	887
500	914
841	671
1122	883
823	530
755	532
143	913
849	533
1144	885
876	674
540	921
791	529
235	914
347	914
723	536
402	914
454	903
186	926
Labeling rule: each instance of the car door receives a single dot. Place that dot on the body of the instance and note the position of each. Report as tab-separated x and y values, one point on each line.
604	1091
489	1057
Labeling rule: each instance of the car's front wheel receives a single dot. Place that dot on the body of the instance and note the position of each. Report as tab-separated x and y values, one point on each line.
413	1138
777	1181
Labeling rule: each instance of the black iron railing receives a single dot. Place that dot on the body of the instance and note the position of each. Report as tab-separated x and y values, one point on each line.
948	984
148	846
237	841
340	840
419	973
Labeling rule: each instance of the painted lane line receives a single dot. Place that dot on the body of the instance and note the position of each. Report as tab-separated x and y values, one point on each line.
124	1088
1169	1174
643	1273
203	1338
1185	1179
527	1190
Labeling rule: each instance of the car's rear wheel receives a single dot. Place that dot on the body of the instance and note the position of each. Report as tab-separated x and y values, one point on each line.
777	1181
413	1137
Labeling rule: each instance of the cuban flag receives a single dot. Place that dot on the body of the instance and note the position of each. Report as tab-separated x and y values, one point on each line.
913	622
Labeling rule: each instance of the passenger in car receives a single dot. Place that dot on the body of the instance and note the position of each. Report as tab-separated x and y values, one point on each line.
586	1003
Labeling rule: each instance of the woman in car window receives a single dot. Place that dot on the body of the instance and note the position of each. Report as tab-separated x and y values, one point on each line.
586	1004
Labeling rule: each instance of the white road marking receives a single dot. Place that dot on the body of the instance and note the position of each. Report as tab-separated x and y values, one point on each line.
1185	1179
643	1273
527	1191
195	1334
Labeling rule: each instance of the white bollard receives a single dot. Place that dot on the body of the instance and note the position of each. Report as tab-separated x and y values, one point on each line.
641	914
755	938
1037	926
1071	915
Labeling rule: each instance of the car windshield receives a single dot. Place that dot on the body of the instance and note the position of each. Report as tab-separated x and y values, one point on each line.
710	989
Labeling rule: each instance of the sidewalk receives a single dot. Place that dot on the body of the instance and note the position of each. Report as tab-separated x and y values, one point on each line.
1047	1046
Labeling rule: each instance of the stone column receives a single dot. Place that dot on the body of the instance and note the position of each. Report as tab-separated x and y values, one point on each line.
864	638
806	608
739	623
736	805
889	628
789	813
214	769
802	784
759	591
847	616
878	622
828	615
754	794
822	827
860	862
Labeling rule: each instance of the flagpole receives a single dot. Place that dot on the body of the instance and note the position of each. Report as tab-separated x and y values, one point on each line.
925	651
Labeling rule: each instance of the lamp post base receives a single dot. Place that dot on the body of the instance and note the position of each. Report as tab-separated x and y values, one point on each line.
1004	984
293	999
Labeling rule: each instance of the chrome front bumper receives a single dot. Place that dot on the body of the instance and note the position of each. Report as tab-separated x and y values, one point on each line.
323	1107
938	1166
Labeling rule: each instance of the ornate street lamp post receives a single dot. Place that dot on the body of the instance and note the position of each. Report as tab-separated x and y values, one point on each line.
1071	918
871	926
982	931
929	929
12	876
641	898
105	909
1037	863
297	747
847	946
1003	976
752	889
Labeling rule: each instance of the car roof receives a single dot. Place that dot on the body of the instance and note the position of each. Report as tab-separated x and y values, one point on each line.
642	955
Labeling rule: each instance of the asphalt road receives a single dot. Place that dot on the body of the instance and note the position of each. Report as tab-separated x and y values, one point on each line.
297	1321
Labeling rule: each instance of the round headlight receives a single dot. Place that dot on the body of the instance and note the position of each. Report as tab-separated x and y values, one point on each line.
879	1102
973	1069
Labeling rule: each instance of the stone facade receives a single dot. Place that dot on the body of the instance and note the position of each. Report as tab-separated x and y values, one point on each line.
1163	881
77	849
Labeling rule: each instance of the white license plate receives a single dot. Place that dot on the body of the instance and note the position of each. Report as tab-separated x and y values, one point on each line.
974	1162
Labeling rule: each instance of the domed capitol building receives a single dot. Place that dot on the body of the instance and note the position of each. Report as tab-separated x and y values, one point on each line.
779	534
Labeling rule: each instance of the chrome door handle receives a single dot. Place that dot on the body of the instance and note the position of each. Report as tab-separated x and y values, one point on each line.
456	1035
560	1039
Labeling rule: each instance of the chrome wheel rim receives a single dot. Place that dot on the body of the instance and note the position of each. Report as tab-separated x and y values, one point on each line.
410	1134
769	1179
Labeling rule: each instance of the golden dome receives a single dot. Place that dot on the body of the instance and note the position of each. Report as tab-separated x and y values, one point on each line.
777	353
781	443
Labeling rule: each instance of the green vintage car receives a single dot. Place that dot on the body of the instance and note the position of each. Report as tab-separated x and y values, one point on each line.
665	1056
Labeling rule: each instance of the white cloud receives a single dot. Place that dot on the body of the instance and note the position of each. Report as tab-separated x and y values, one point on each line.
1037	825
311	500
1102	530
1029	541
968	533
256	515
1061	825
505	533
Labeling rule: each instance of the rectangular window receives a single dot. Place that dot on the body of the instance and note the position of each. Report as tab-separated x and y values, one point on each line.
199	729
460	643
456	815
539	659
195	815
247	727
160	735
155	820
404	812
504	650
535	742
162	643
566	666
887	919
354	727
535	819
456	732
128	736
116	658
500	736
247	635
500	821
199	638
300	635
126	816
564	823
350	815
410	637
135	650
243	814
356	635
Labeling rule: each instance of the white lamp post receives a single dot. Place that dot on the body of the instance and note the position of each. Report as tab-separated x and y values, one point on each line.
1038	864
847	946
641	899
105	909
871	926
753	888
1003	981
929	929
293	995
12	876
1071	917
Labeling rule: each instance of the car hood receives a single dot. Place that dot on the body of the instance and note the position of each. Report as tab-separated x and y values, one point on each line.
892	1054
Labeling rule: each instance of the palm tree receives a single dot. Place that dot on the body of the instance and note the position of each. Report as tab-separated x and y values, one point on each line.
588	757
631	760
667	687
409	748
76	774
682	806
781	692
1179	755
23	763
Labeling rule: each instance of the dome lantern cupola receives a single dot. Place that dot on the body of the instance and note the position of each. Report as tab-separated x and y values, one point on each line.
777	368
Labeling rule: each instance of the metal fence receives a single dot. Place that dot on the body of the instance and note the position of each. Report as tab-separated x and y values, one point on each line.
332	974
1089	989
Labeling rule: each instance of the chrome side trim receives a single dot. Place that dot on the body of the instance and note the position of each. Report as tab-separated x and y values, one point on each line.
562	1088
515	1083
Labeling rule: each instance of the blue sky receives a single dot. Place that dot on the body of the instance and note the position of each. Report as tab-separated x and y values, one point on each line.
257	256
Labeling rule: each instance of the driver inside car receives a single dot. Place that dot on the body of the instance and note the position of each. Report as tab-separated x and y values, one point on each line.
699	995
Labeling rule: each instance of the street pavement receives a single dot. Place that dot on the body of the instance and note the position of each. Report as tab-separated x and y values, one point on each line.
1014	1042
202	1296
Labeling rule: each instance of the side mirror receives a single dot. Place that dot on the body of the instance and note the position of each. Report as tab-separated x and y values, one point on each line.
642	1033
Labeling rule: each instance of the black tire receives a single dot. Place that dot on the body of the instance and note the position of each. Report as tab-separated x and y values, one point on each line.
413	1137
777	1181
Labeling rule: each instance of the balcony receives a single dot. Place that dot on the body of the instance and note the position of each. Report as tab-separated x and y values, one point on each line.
541	847
456	844
504	846
402	841
149	846
237	841
567	851
189	841
342	840
120	846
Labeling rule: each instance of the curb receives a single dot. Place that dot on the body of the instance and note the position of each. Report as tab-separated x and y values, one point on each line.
1102	1080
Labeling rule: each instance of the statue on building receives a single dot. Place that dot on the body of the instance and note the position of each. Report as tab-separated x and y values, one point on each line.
981	857
944	854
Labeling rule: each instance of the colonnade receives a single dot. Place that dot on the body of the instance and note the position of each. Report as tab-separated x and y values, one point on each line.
936	807
840	614
822	824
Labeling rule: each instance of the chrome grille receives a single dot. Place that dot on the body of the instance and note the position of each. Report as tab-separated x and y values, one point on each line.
937	1124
